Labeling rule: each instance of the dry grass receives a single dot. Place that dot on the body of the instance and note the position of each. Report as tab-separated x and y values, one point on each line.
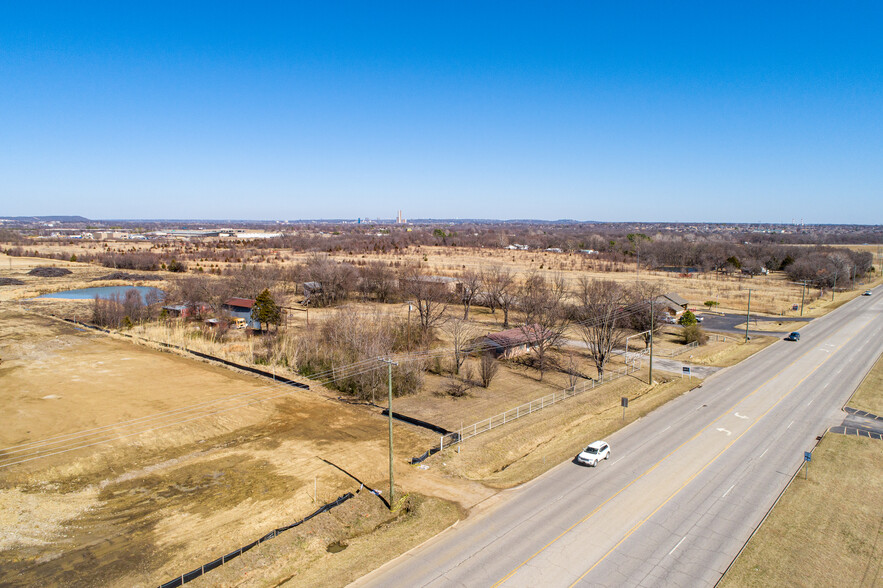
150	505
730	353
774	326
825	531
516	453
371	534
869	396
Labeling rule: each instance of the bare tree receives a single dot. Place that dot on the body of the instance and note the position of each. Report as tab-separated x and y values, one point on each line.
430	296
541	302
487	368
470	284
377	279
599	318
641	317
336	280
462	336
538	296
501	289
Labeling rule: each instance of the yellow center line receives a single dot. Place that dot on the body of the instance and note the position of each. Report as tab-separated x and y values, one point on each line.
721	452
658	463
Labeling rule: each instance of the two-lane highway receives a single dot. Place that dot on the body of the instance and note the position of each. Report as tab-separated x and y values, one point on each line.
684	488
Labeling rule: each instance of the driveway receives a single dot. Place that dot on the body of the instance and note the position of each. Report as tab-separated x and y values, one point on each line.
727	323
861	424
661	363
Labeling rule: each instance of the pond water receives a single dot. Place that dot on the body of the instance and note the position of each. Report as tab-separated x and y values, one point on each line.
103	292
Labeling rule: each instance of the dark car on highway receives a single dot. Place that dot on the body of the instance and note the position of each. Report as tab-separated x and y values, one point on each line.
795	336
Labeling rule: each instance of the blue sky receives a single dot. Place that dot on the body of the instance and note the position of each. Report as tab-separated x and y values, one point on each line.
615	111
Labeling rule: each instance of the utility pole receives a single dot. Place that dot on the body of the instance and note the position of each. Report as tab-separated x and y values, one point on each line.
748	316
803	298
651	340
834	286
389	363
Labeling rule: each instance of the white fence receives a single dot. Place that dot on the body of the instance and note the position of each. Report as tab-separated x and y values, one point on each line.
676	351
533	406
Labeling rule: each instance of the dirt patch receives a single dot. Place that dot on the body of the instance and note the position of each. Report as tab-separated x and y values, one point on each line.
160	463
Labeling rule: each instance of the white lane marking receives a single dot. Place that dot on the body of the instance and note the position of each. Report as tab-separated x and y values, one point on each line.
616	462
722	430
810	402
828	384
740	416
666	429
728	491
678	545
764	452
789	425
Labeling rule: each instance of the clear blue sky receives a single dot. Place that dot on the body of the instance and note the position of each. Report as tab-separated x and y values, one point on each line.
614	111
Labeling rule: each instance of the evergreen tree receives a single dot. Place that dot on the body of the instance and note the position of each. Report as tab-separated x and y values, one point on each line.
265	309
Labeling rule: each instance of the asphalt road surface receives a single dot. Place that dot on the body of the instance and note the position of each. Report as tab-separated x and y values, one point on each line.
684	488
726	323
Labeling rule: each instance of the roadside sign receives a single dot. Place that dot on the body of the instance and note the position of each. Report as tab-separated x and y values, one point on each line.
807	456
686	369
625	402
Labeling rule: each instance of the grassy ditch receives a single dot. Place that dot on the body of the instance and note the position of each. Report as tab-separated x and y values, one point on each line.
869	396
825	531
340	546
516	453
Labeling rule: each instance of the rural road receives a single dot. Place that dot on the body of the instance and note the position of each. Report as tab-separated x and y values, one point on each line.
684	488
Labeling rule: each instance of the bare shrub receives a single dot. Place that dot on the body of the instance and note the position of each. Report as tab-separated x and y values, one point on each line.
487	368
347	338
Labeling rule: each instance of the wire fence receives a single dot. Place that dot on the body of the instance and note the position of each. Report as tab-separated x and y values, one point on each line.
676	351
203	569
533	406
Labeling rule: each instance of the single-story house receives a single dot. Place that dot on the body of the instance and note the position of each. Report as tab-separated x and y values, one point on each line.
672	304
186	310
452	284
241	308
512	342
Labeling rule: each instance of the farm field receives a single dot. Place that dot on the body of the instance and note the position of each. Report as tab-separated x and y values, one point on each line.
228	458
772	295
117	447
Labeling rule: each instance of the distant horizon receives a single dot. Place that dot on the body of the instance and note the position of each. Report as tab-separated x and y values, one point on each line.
392	220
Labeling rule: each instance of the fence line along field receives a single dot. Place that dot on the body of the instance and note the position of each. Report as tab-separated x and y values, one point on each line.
120	465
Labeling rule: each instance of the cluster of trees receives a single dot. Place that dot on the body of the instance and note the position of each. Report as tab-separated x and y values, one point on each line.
827	267
343	352
123	311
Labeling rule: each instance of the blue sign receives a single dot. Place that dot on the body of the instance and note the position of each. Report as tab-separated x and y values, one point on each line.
807	456
686	369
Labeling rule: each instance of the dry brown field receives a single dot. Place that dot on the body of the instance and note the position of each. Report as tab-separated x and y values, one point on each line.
125	466
771	295
177	461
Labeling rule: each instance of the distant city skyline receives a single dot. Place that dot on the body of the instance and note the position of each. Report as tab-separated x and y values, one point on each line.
693	112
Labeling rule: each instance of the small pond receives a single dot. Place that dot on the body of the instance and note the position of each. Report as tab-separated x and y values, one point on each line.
104	292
